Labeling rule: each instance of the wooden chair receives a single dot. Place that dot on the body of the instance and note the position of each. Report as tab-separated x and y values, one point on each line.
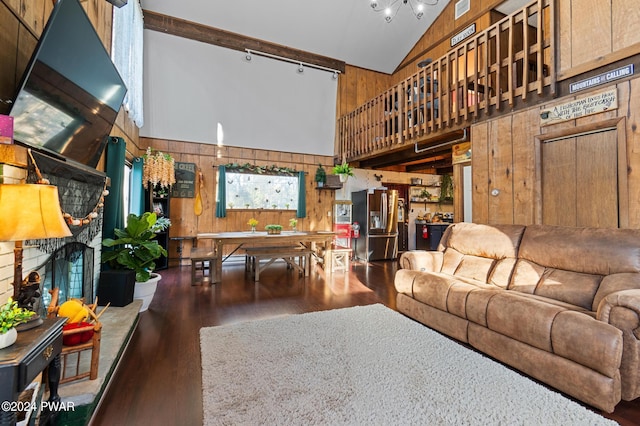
337	259
92	346
202	260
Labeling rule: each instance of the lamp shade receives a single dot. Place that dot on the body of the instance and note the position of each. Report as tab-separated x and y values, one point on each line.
30	211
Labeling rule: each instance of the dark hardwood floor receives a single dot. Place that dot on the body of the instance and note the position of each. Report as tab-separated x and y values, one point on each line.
159	378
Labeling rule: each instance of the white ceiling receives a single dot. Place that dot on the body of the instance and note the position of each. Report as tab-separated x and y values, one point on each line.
347	30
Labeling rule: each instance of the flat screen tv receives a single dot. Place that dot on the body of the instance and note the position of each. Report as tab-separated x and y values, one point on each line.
71	92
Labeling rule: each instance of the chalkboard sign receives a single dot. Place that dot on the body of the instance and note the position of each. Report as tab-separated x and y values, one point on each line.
185	186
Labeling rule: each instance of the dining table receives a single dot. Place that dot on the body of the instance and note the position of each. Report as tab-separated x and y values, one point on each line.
307	239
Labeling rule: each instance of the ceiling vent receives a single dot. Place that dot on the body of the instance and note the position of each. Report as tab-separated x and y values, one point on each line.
462	7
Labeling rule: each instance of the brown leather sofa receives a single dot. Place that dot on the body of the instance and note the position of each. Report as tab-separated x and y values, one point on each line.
560	304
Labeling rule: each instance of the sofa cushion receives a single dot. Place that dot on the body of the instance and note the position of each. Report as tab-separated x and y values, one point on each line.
600	343
445	292
472	250
521	318
490	241
585	250
475	267
567	286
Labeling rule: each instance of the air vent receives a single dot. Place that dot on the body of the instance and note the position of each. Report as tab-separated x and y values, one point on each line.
462	7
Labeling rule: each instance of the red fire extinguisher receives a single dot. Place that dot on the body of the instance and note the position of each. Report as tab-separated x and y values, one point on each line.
355	228
425	232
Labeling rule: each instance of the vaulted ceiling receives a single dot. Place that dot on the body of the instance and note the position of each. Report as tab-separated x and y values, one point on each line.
330	33
345	30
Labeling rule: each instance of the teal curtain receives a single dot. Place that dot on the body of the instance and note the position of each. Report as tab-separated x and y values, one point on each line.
221	202
113	204
302	196
136	198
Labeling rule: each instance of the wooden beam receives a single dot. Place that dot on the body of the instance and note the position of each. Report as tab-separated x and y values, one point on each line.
205	34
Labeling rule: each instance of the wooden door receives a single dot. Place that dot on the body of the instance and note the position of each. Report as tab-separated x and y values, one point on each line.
580	181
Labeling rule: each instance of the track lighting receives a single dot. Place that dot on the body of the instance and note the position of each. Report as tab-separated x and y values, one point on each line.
249	53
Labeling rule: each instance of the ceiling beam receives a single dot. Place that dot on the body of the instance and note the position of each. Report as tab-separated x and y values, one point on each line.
407	156
192	30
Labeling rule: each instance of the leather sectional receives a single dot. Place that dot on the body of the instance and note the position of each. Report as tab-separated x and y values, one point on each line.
560	304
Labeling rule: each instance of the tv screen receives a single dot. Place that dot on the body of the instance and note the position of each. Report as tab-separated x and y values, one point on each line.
71	92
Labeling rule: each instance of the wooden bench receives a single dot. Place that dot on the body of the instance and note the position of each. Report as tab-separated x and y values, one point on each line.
203	259
287	253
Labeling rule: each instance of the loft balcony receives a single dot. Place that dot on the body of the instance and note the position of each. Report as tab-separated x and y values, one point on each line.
510	62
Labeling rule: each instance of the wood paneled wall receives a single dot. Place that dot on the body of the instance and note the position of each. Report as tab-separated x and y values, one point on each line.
206	157
357	85
594	33
506	158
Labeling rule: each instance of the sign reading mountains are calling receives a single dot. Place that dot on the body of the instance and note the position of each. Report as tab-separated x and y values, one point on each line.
594	104
603	78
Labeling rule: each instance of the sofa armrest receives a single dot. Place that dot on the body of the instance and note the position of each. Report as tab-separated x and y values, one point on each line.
420	260
622	310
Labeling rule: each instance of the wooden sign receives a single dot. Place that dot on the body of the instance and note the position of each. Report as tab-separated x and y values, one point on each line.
185	186
605	77
461	153
589	105
470	30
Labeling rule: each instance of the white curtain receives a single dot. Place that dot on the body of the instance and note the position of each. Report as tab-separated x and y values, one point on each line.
126	53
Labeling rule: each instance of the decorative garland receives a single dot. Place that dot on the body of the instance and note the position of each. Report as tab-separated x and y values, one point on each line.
70	219
260	170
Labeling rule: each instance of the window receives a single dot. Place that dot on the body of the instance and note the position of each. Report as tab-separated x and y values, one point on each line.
127	55
254	191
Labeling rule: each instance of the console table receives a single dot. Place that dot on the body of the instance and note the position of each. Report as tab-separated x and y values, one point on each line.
20	363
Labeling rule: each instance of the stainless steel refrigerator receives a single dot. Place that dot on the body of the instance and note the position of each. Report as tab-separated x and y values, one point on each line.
376	211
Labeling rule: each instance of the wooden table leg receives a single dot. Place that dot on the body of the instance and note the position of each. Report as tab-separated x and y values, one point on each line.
218	247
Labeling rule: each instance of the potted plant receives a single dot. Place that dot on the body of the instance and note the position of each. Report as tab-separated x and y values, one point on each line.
343	170
293	223
321	176
136	249
10	316
273	229
252	223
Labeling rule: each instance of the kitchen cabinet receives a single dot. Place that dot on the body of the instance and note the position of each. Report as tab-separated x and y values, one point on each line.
430	239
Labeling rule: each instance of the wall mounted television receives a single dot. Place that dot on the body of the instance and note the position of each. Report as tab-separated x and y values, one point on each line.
71	91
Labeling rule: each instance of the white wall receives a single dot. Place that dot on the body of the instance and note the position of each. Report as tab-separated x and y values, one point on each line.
265	103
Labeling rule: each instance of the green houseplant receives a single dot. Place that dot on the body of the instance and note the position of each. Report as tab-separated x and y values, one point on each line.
343	170
10	316
321	176
136	249
273	229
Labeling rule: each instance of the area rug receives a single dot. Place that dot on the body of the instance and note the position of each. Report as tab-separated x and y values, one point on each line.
365	365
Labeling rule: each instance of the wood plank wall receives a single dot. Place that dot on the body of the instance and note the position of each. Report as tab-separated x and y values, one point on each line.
205	156
505	158
595	33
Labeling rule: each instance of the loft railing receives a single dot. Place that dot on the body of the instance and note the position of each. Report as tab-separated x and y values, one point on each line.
512	59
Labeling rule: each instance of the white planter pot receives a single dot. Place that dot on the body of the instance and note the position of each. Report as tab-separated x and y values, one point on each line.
9	338
343	177
146	290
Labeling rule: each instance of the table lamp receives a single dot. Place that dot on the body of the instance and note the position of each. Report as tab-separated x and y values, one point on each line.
29	212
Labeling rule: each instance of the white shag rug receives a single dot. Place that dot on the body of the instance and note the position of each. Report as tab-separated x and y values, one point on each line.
366	365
